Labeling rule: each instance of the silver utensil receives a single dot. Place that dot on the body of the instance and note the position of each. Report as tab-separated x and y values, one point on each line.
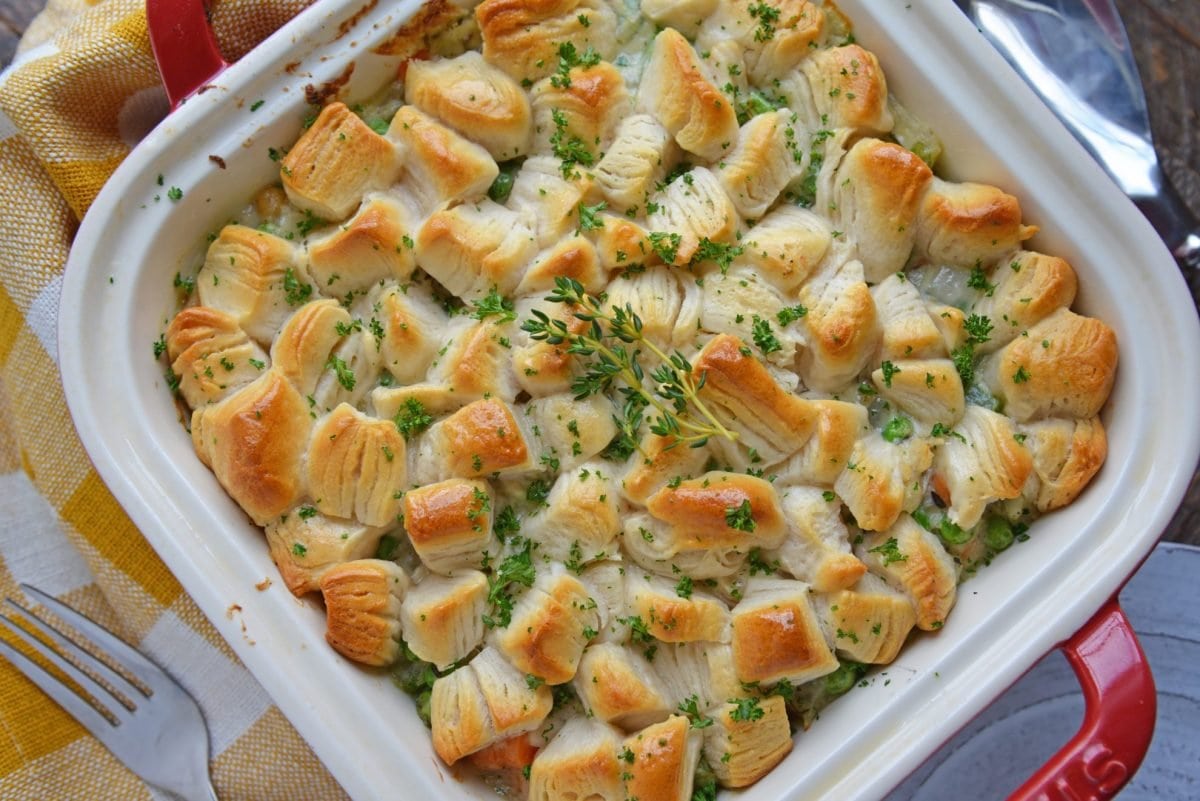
1076	56
155	729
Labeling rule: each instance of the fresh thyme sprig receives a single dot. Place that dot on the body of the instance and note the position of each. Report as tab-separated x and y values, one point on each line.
614	342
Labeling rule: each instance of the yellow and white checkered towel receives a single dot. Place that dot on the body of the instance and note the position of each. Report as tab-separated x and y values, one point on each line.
83	91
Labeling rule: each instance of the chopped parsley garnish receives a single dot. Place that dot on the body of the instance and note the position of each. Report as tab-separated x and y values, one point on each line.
568	57
345	375
719	253
568	148
889	370
790	314
898	429
294	292
759	565
747	710
185	284
829	496
589	219
174	194
306	512
517	568
160	346
506	523
299	549
387	547
978	328
537	492
640	633
767	16
741	517
344	329
412	418
691	708
666	245
979	280
889	552
964	362
494	305
1021	376
942	430
764	337
683	588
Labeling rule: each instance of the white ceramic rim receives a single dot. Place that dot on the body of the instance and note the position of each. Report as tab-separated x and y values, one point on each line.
116	294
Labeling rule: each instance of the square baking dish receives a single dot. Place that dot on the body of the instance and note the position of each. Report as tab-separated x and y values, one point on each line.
118	295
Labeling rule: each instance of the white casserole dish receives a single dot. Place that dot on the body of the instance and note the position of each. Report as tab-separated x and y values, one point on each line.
118	295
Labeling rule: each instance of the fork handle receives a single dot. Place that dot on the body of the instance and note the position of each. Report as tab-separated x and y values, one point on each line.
1176	224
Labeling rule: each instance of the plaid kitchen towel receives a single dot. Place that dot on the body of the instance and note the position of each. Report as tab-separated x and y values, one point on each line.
83	91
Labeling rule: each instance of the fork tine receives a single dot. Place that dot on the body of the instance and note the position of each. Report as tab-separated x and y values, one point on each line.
119	682
79	709
121	652
97	690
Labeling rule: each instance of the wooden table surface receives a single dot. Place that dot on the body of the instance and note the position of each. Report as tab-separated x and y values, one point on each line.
1166	41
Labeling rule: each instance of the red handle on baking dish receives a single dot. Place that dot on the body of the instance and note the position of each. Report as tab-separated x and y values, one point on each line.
1118	722
184	46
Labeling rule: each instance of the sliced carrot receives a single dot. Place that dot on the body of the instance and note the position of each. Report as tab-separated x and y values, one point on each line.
515	752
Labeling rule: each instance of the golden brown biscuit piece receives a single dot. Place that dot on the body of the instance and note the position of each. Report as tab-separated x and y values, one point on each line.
474	248
693	207
761	164
849	89
575	258
525	37
618	685
583	106
374	244
930	390
211	354
356	466
776	634
882	479
483	703
747	398
580	521
817	547
661	460
913	561
442	616
580	762
474	98
720	509
787	245
479	439
869	621
838	426
641	154
441	166
908	328
743	746
362	610
670	617
664	760
1029	287
335	162
980	462
549	628
841	326
450	524
306	544
963	223
1063	366
880	186
254	277
1067	454
254	441
676	91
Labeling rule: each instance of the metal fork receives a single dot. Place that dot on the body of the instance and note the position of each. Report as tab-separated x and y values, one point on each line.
156	730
